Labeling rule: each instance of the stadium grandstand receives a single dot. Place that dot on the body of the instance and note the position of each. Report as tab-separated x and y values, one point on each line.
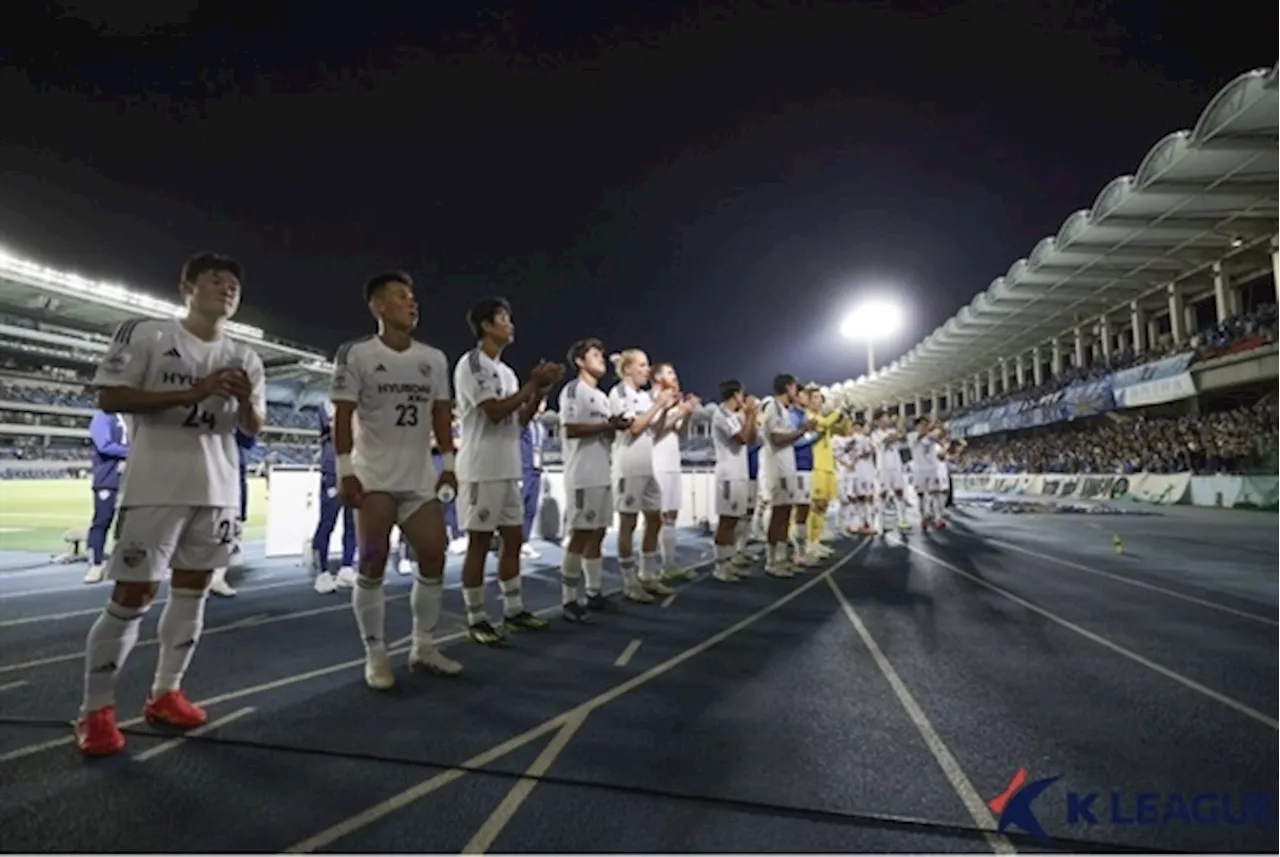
909	690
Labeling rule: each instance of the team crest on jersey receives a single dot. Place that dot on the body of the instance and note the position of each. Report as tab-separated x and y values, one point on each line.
591	516
483	515
424	369
134	555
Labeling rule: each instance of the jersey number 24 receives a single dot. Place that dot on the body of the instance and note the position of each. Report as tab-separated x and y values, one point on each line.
199	418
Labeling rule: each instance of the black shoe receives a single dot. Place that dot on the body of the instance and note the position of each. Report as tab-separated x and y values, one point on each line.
484	634
575	612
597	603
524	621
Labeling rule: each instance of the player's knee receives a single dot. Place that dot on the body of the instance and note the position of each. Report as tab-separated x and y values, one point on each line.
373	560
134	594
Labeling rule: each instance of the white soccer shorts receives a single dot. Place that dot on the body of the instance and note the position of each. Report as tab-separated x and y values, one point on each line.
636	494
782	489
753	494
804	489
892	480
150	540
925	482
590	508
864	481
484	507
672	491
732	498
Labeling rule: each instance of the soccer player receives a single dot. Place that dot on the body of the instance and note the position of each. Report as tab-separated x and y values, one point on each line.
186	386
391	396
751	524
781	434
842	449
636	488
531	439
330	508
733	428
666	468
495	406
864	478
804	554
887	440
823	488
924	470
110	449
587	429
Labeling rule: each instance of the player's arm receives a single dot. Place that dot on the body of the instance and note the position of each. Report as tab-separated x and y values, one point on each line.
529	409
252	411
747	432
779	429
124	368
344	393
641	422
572	409
473	386
101	432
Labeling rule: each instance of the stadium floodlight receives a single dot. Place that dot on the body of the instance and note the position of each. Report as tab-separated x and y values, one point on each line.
874	320
106	294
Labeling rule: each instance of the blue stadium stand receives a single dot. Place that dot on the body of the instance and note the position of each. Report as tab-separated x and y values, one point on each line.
877	704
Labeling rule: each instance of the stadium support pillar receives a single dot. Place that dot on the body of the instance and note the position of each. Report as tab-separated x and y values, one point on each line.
1055	356
1104	336
1138	328
1020	371
1077	359
1222	293
1004	377
1275	265
1037	367
1177	315
936	405
991	381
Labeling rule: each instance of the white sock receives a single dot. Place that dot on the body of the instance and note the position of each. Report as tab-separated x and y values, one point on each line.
370	605
110	640
650	565
627	565
724	553
425	599
473	599
512	603
593	568
740	532
778	551
667	541
179	629
570	573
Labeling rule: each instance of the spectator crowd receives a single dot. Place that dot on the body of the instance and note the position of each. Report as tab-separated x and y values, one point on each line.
1232	441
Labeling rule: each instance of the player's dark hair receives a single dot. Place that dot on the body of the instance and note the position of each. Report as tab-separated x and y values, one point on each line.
782	382
729	389
486	311
878	413
377	282
209	261
658	367
578	351
921	420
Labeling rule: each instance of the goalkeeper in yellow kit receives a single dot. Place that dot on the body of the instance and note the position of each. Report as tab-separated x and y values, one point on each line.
823	489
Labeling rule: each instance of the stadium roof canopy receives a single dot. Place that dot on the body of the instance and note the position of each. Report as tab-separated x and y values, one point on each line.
46	294
1196	195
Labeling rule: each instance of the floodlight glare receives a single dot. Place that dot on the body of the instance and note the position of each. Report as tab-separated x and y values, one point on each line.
872	321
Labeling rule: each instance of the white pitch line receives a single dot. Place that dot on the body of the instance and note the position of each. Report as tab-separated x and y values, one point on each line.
1128	581
666	602
13	685
959	780
174	743
381	810
627	653
1141	660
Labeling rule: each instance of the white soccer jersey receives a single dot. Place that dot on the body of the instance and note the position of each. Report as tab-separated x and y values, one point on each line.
666	448
587	460
490	451
731	456
842	452
395	394
924	454
180	456
777	420
887	455
632	454
862	451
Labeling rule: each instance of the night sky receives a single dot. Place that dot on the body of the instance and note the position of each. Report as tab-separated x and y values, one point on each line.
711	182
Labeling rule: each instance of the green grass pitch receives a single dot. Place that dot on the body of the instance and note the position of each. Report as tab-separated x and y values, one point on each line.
35	514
